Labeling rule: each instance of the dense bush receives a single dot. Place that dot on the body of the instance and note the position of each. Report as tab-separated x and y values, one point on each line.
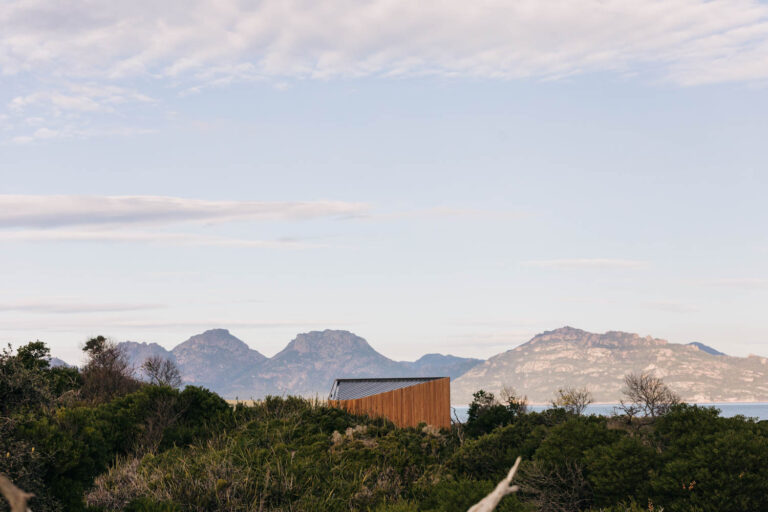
487	413
158	449
56	442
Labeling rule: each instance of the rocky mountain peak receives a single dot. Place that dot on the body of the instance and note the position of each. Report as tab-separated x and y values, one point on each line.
328	342
566	333
610	339
214	357
215	339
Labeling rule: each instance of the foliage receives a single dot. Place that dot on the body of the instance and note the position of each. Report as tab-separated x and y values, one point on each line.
486	413
523	437
159	449
55	443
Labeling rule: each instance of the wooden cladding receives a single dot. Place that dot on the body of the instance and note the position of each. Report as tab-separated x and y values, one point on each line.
428	402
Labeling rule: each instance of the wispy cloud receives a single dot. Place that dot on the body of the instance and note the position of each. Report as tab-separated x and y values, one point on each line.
79	98
155	237
38	211
446	212
74	110
685	41
74	306
588	263
671	306
74	131
130	219
114	323
749	283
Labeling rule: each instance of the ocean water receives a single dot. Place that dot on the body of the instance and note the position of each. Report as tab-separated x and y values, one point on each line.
757	410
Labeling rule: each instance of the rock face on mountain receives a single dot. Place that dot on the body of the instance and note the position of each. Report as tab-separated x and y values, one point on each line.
569	356
306	366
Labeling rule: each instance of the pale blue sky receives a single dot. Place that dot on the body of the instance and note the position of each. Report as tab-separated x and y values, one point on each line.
431	179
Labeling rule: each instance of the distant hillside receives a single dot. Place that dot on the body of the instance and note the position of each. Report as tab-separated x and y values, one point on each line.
55	362
707	349
569	356
306	366
139	352
439	365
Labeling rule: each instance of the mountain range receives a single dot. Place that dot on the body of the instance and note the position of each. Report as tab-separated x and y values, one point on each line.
306	366
572	357
567	356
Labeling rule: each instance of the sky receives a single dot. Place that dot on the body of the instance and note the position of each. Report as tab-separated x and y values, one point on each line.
432	176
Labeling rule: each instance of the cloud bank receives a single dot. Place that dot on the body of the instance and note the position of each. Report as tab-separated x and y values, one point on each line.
81	69
218	41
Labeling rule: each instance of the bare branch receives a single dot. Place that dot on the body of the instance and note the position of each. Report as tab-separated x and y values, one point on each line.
505	487
648	394
458	426
16	498
513	400
574	400
162	372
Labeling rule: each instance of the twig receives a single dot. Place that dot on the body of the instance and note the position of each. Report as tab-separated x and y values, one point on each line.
15	496
489	503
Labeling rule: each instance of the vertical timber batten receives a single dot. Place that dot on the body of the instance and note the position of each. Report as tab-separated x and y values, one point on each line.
427	402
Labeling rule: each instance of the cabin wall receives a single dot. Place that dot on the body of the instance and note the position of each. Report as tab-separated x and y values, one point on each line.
428	402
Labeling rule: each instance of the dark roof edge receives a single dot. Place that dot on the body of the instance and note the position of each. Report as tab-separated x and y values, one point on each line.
362	379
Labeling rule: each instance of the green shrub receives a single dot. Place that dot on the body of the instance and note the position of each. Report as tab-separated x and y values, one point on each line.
159	449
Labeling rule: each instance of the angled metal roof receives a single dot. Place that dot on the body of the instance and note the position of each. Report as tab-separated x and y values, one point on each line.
349	389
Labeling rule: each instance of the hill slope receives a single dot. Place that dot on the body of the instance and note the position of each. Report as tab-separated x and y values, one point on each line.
569	356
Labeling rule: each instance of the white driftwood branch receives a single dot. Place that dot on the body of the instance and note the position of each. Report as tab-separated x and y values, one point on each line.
489	503
15	496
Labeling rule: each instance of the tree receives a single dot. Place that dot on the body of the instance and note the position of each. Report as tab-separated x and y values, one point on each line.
516	403
27	379
647	394
486	412
573	400
107	373
162	372
35	355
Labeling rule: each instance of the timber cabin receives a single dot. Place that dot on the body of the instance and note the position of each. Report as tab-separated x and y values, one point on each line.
405	401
